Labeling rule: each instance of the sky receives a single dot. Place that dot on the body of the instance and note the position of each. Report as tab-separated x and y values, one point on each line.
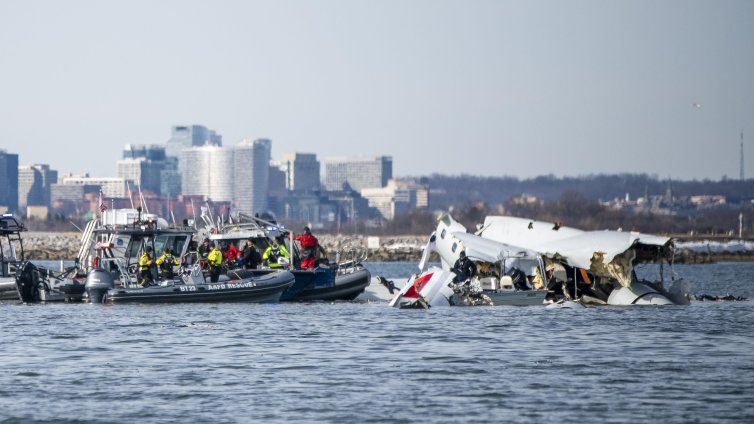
491	88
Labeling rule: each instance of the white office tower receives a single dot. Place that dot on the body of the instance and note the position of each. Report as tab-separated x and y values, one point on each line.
251	180
358	173
188	136
208	171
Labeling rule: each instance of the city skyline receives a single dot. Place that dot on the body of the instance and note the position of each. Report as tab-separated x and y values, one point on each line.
487	88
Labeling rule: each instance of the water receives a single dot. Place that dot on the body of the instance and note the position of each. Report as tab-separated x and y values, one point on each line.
359	362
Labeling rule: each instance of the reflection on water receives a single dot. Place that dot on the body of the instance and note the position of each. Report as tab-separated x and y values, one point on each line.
354	362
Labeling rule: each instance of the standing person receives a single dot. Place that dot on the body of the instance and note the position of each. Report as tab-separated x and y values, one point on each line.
203	252
251	257
215	259
145	265
274	253
309	248
464	268
165	263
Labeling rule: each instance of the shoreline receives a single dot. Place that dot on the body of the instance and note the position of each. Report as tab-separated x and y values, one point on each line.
405	248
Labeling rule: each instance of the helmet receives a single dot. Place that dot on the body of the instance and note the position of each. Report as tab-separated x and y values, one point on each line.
149	248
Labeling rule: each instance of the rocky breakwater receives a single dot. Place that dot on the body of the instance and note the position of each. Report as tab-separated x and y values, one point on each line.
51	245
377	248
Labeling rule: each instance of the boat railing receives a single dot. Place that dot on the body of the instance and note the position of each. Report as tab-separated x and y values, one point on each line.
121	271
350	257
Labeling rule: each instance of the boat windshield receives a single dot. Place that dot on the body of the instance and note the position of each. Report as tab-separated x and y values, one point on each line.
174	242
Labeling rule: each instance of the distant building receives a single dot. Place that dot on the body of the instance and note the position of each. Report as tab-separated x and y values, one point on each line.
151	152
110	186
251	175
71	192
8	181
392	200
358	173
302	171
277	186
141	174
188	136
207	171
184	137
239	174
34	183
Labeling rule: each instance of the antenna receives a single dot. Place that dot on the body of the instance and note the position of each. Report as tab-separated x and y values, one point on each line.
128	187
742	155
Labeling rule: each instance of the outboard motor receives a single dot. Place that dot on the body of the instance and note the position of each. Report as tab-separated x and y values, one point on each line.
98	282
28	283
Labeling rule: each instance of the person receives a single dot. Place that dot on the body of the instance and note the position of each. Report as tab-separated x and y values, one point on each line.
309	248
251	257
231	255
464	268
145	265
165	263
204	249
215	260
274	253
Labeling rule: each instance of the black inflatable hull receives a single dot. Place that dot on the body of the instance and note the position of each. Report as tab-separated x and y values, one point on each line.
266	289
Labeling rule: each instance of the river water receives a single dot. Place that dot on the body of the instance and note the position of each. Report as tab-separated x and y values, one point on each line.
365	362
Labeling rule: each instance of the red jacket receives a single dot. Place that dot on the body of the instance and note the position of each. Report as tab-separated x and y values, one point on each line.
232	252
307	240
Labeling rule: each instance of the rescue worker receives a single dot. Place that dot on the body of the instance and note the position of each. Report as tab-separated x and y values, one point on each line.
464	268
274	253
165	264
215	260
231	255
204	250
251	257
145	265
309	249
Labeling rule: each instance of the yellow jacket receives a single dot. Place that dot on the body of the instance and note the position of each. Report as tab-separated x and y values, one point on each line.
167	259
215	257
271	255
145	261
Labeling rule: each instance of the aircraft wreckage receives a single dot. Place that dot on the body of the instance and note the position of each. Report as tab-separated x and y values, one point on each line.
525	262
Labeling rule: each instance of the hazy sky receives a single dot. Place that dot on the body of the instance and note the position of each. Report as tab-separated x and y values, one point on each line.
520	88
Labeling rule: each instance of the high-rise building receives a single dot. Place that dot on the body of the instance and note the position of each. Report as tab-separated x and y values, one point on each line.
207	171
34	182
142	166
251	180
358	173
188	136
8	181
151	152
239	174
302	171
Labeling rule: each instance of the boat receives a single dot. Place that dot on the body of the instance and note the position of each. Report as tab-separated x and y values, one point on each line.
11	255
345	279
499	281
594	267
111	248
193	287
